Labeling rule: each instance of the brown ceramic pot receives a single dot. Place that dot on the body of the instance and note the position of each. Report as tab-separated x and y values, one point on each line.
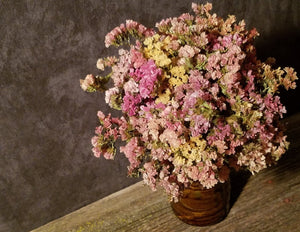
202	207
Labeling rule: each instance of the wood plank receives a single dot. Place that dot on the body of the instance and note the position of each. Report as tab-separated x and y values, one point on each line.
269	201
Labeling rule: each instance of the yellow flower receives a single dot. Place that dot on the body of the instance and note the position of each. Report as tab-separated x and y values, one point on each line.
164	97
179	160
189	152
166	45
175	81
177	71
149	41
200	143
155	51
178	76
160	58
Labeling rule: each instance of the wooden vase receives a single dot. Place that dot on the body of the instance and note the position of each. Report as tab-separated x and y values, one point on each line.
202	207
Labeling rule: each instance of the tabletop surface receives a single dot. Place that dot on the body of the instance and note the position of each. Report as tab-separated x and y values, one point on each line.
268	201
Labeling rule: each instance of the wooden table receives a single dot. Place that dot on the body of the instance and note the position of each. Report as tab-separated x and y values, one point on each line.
268	201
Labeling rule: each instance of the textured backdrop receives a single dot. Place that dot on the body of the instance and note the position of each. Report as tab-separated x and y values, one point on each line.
46	166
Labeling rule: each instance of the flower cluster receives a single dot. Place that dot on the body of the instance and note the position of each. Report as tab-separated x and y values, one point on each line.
196	101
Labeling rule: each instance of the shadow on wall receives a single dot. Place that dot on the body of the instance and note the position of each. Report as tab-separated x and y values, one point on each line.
284	47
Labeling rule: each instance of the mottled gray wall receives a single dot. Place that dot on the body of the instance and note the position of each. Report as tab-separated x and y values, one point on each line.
46	166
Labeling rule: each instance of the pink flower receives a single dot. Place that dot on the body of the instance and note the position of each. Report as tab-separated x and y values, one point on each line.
130	24
226	40
221	132
100	64
274	105
190	100
132	151
170	137
99	130
199	125
149	175
186	51
121	69
112	133
175	126
112	36
255	160
163	23
171	188
108	155
238	39
160	154
130	104
250	87
220	145
108	61
96	151
141	125
107	122
123	129
179	27
137	58
148	73
201	9
289	80
174	45
186	17
101	115
87	82
194	173
197	80
200	40
213	66
233	145
109	39
109	94
131	87
131	27
94	141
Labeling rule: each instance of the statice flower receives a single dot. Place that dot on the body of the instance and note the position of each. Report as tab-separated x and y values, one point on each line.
149	175
199	125
130	104
148	73
133	152
121	69
131	87
109	94
87	82
196	101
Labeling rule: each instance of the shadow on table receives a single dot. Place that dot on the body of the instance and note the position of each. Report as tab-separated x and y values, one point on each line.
289	164
238	182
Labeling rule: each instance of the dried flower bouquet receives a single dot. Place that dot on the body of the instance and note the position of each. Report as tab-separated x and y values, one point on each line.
195	99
